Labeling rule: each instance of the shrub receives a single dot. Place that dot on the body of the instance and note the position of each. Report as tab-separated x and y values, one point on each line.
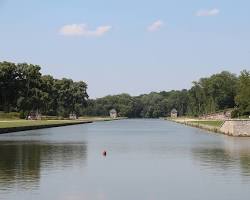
11	115
235	113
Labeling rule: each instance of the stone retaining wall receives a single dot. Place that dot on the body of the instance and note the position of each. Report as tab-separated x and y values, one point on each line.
236	127
218	116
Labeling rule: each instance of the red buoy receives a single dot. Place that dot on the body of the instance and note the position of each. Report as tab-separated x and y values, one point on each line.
104	153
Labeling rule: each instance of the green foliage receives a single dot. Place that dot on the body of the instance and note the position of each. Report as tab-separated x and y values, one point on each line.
11	115
152	105
208	95
24	89
9	82
243	96
23	114
235	113
212	94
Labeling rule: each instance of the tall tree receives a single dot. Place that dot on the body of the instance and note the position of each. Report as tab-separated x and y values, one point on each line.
243	96
30	93
9	85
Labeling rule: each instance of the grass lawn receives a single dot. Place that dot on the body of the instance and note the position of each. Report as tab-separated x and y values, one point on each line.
9	123
22	123
209	123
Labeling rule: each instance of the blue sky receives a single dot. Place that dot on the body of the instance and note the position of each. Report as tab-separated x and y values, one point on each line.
127	46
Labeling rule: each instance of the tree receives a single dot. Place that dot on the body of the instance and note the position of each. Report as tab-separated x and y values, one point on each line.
72	96
49	95
196	99
9	85
24	89
30	93
213	93
243	96
220	90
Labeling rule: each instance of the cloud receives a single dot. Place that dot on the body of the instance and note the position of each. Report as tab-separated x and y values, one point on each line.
155	26
208	12
83	30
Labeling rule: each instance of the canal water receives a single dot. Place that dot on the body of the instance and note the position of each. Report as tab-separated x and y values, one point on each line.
146	160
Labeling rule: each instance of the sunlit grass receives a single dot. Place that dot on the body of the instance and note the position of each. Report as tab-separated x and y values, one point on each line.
22	123
214	123
10	123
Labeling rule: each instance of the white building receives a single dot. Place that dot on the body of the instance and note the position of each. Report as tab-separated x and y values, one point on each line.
113	113
174	113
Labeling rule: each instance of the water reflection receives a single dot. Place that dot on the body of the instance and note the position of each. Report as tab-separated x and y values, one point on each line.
232	154
21	163
146	159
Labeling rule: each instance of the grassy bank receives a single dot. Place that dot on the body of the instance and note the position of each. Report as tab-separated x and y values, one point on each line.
8	125
212	123
96	119
232	127
22	123
209	125
10	116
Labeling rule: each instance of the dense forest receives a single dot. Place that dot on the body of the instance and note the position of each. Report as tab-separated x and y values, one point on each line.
24	89
215	93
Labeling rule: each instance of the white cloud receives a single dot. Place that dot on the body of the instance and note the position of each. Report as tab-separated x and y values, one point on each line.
83	30
208	12
155	26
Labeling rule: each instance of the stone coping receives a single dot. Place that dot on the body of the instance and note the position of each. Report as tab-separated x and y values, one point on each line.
236	120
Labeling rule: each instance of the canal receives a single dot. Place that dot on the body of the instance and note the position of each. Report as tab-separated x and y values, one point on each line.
146	159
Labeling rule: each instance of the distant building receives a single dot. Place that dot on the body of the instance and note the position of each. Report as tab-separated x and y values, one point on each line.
34	115
72	116
174	113
113	113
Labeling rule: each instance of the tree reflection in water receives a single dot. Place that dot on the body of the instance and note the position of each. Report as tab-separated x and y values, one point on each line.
21	162
233	153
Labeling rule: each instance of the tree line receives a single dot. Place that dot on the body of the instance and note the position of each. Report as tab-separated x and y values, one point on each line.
218	92
24	89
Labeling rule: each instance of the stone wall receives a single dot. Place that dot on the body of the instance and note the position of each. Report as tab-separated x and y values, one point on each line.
236	127
218	116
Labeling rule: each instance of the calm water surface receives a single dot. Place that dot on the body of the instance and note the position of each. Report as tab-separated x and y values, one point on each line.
147	160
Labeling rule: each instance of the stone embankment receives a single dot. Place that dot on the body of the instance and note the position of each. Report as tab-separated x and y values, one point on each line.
236	127
224	115
230	127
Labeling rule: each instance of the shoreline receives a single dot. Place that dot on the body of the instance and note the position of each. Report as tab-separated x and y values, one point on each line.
199	126
41	126
47	124
196	123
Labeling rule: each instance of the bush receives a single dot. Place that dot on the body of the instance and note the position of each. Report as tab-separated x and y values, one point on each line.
23	114
235	113
11	115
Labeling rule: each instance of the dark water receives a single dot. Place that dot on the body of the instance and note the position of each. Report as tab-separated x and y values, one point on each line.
146	160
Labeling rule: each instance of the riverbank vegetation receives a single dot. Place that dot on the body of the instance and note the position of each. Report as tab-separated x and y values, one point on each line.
10	123
213	123
25	123
212	94
23	89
